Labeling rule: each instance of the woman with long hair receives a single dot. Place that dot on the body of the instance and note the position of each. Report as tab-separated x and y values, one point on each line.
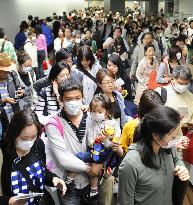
88	67
147	172
24	159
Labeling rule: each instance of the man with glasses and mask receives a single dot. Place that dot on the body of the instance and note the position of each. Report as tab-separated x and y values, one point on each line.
177	96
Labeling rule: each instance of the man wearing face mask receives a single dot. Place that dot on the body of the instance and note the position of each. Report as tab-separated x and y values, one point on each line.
64	147
177	94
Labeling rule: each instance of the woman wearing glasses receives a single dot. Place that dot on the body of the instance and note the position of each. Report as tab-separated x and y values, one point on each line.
106	84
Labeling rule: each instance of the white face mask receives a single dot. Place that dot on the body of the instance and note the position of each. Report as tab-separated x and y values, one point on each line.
178	56
26	69
78	40
185	32
25	145
98	117
146	30
33	38
180	88
73	107
170	144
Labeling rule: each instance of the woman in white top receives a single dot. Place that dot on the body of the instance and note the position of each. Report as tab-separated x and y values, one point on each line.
31	49
145	67
68	40
88	67
59	42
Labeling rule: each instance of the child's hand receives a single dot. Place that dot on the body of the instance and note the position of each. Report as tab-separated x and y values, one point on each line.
102	138
117	148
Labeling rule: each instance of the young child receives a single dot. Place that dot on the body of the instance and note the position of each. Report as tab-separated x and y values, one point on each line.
102	133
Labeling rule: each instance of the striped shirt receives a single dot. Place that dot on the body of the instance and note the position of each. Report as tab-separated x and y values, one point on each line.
79	131
48	102
8	48
4	94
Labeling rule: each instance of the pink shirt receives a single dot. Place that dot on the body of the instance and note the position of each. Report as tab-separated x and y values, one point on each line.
41	43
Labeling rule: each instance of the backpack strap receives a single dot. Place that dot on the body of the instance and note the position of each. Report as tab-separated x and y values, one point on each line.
164	94
3	45
58	124
166	65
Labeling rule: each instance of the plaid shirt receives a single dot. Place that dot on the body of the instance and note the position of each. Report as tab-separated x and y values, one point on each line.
9	49
36	173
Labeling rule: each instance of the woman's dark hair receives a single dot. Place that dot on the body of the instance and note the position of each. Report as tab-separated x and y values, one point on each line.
56	70
157	29
69	84
160	121
23	26
149	46
118	28
30	17
62	54
173	50
116	60
135	22
149	99
2	33
159	18
86	42
22	58
69	28
105	101
38	30
143	36
19	121
89	30
85	52
101	74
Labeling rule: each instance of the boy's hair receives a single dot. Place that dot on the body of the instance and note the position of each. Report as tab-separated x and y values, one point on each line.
69	85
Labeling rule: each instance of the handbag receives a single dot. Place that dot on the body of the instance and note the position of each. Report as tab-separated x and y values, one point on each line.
107	190
178	189
109	185
152	83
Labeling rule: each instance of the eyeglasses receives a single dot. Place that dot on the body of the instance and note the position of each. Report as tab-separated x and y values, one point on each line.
108	82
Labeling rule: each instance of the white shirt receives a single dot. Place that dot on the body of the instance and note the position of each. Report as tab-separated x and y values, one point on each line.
58	44
31	49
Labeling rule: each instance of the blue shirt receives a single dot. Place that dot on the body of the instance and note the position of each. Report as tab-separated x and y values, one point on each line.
48	34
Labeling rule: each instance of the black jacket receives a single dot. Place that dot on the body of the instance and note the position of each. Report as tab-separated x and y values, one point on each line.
38	150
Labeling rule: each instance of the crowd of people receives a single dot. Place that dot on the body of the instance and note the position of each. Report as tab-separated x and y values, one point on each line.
97	108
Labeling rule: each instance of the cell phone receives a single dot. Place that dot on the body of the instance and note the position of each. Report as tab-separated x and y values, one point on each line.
16	95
